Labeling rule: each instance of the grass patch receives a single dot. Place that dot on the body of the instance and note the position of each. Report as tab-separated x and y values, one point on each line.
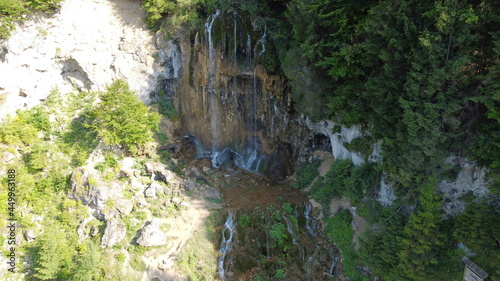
338	230
198	257
306	174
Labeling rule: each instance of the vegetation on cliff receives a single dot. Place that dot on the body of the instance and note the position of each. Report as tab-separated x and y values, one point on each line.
44	145
422	77
16	10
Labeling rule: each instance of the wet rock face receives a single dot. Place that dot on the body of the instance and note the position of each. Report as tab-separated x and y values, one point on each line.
226	100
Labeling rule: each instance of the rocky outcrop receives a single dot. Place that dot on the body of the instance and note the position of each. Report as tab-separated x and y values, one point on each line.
115	232
471	181
237	111
151	235
88	187
87	50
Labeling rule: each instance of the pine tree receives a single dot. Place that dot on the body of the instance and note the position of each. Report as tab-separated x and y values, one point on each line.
122	119
421	243
53	255
88	262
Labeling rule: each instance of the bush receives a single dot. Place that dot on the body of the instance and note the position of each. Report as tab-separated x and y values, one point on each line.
17	131
338	230
121	119
307	174
12	11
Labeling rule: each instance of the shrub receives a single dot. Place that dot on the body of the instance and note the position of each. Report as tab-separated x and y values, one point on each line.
121	119
16	130
307	174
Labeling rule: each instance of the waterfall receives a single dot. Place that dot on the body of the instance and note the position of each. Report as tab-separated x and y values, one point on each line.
262	41
334	263
211	50
311	224
249	46
227	243
214	113
235	38
289	227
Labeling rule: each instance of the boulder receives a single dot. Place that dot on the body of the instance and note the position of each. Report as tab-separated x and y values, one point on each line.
151	235
212	194
160	172
87	187
189	185
124	206
115	231
29	235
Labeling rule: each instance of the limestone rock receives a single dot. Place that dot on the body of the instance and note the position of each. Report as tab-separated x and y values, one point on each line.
87	188
68	50
212	194
29	235
124	206
151	235
195	173
115	231
189	185
207	171
161	172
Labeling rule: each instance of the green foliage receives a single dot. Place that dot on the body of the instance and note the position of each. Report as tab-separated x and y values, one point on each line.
415	248
307	174
287	207
278	234
244	220
167	108
280	274
479	229
79	140
363	145
38	117
13	10
333	183
421	245
121	119
17	131
338	230
54	255
379	249
157	9
88	262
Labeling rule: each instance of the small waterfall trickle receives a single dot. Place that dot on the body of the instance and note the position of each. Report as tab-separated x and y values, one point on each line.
249	46
211	50
262	41
289	227
227	243
235	38
311	224
334	263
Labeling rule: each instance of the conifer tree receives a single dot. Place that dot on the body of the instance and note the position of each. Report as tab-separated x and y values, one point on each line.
122	119
421	243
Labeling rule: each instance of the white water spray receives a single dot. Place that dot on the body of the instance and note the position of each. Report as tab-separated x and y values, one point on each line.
226	244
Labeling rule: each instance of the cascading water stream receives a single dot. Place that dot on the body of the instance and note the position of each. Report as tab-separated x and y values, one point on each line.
334	263
262	41
214	113
211	50
310	223
227	243
289	227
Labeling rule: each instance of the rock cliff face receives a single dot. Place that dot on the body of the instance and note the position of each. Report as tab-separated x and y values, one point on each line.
86	46
237	111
